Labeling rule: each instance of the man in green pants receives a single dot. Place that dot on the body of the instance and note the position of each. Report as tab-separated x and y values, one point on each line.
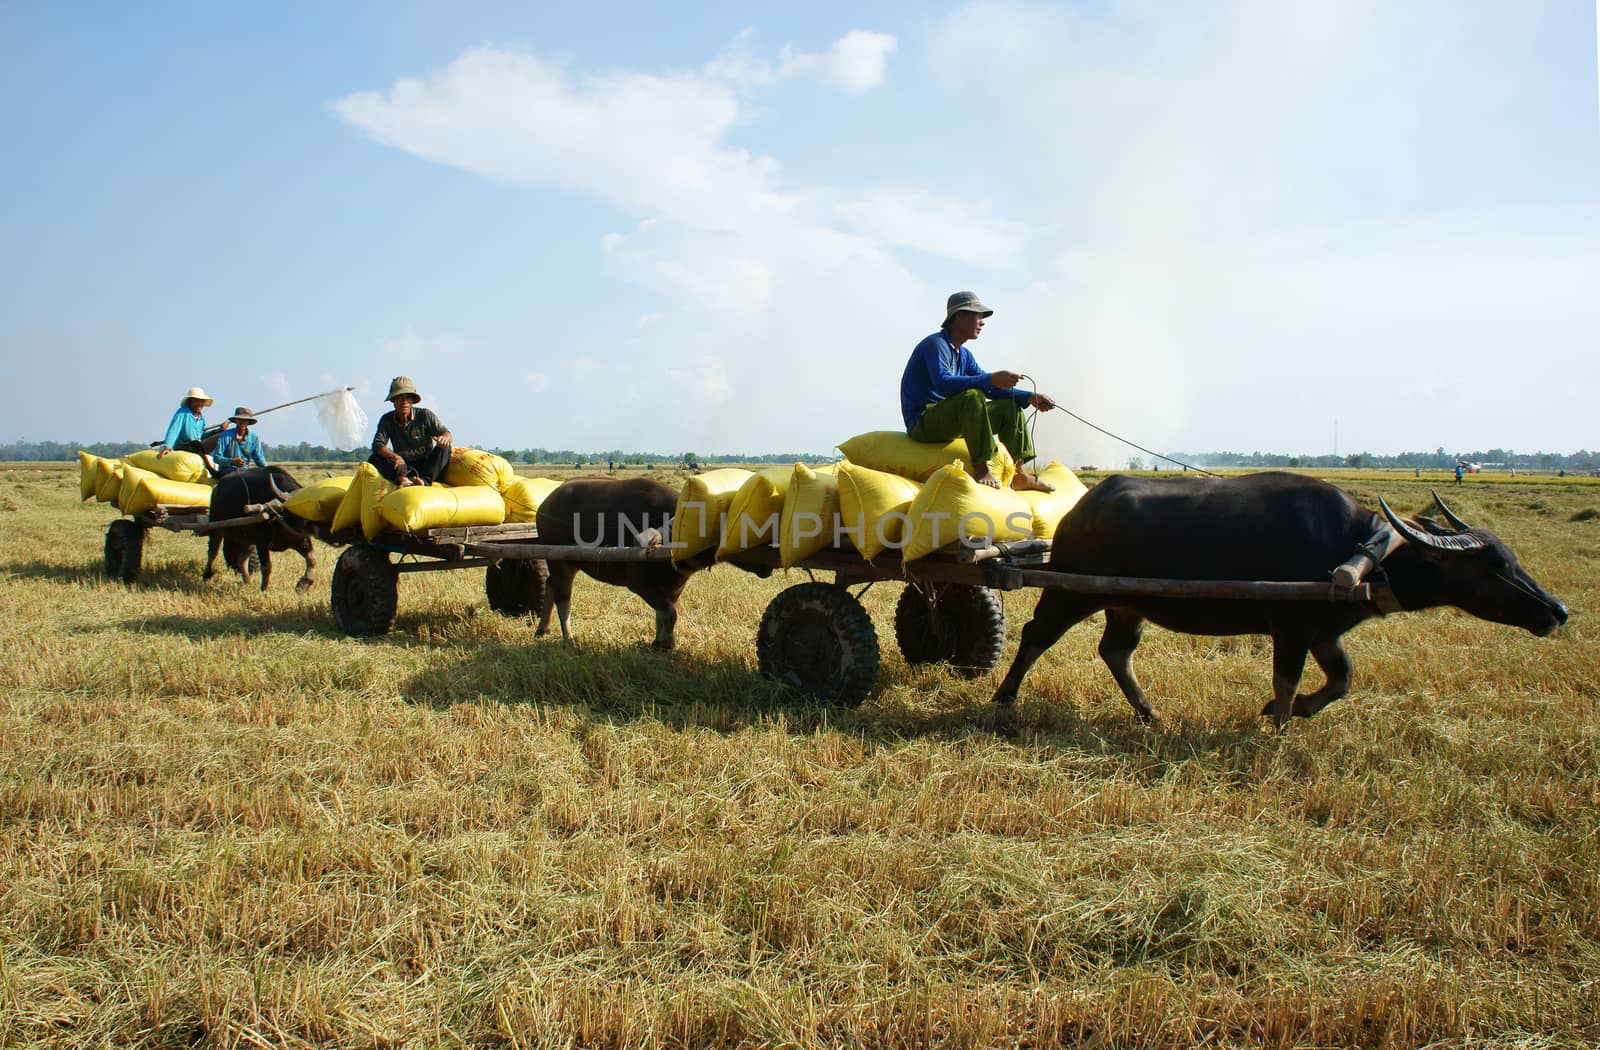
945	395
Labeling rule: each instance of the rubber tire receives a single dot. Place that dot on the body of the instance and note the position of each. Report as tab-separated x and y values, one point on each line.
516	587
964	626
366	592
124	550
816	637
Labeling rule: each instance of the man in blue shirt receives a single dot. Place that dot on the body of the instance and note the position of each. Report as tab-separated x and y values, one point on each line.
237	447
945	395
186	432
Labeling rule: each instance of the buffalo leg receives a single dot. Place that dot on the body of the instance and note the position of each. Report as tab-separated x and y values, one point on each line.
213	545
264	555
1121	638
306	581
1052	617
665	602
559	598
1335	663
1288	664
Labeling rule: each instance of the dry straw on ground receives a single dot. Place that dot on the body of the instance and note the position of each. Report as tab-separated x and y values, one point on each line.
222	824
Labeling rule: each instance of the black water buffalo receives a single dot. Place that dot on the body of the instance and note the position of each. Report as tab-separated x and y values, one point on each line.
606	513
254	486
1269	526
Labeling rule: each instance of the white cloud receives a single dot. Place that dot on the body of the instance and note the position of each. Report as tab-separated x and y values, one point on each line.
538	382
857	61
1234	211
771	290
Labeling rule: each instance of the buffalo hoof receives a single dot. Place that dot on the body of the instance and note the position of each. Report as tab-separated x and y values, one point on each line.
304	584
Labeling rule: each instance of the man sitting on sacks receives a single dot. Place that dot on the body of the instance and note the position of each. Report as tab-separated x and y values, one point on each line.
186	432
237	447
421	443
944	395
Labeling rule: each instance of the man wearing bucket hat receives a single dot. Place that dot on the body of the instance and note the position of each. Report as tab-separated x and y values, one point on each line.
238	447
187	430
420	444
944	395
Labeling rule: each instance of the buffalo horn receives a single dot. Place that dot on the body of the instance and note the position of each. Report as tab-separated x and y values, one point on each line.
1449	515
281	497
1423	539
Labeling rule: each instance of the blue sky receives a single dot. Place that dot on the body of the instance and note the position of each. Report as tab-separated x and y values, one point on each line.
722	228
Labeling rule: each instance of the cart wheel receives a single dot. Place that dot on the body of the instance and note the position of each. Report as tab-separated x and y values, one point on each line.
516	588
366	592
124	550
817	638
955	623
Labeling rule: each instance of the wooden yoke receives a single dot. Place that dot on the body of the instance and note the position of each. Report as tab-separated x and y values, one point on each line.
1368	555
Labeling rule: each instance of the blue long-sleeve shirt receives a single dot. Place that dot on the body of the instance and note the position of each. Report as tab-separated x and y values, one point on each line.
229	445
938	370
185	426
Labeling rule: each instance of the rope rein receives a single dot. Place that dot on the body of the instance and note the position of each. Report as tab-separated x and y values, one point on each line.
1032	423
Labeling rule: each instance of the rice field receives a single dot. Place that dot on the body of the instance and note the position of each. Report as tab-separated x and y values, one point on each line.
223	824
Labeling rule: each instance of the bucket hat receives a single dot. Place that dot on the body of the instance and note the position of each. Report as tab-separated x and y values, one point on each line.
196	394
402	385
964	301
242	415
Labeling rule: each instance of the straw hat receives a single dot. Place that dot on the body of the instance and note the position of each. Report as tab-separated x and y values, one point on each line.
402	385
242	415
196	394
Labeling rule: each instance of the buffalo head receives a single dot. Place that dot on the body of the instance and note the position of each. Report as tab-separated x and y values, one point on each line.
1473	570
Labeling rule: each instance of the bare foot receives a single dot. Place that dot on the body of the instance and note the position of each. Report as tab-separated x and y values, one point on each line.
986	477
1025	482
408	481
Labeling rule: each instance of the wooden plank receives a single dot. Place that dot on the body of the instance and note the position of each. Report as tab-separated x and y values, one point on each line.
567	552
1140	587
476	533
441	566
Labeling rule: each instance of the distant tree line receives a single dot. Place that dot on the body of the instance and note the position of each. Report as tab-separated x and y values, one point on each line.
303	452
1439	459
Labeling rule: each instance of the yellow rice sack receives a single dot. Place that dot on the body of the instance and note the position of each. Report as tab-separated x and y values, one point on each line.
142	490
86	478
810	519
419	507
754	511
471	466
951	507
107	480
894	452
320	500
524	495
348	516
178	466
873	506
373	493
702	507
1050	507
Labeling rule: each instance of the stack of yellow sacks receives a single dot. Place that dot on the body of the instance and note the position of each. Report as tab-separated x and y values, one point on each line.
478	488
144	479
889	493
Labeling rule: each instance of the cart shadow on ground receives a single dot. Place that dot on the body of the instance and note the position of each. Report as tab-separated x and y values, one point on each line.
605	682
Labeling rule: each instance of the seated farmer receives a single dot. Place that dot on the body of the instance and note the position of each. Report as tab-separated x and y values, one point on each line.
944	395
421	443
187	430
237	446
